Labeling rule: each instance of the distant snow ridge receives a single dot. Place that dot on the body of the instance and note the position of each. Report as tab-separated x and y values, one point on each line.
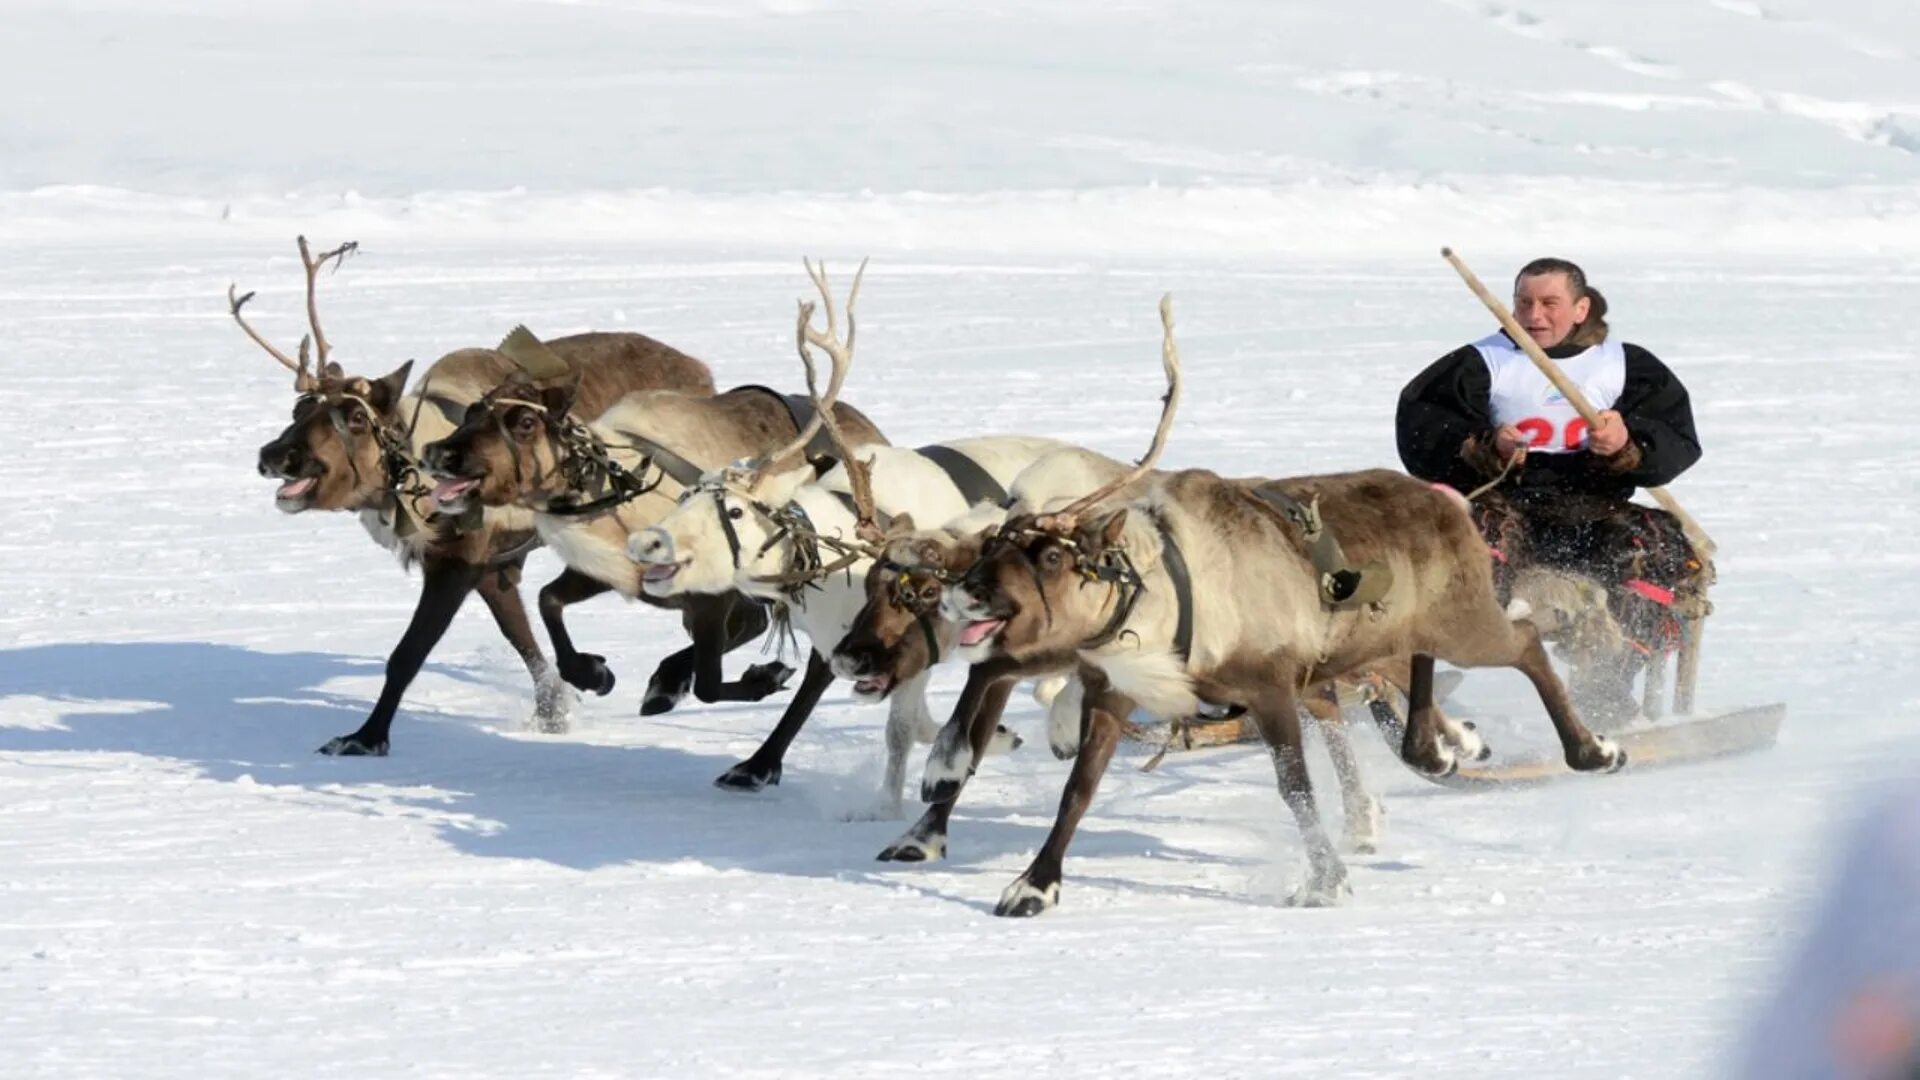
1232	222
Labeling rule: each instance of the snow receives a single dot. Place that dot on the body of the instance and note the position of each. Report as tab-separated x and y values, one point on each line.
188	890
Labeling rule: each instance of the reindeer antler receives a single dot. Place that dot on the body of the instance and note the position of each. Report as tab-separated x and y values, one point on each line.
859	473
839	352
303	380
1065	520
313	265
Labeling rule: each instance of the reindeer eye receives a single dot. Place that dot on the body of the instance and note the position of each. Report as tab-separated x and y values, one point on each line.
1050	558
357	420
736	513
524	423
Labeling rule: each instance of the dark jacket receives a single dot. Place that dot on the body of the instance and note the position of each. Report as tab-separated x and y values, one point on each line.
1447	404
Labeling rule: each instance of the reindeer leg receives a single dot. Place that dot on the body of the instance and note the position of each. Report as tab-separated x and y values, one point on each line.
906	710
1499	643
763	768
1362	812
975	717
444	586
1039	888
1397	672
957	749
1277	716
1424	747
1585	751
719	624
583	671
500	587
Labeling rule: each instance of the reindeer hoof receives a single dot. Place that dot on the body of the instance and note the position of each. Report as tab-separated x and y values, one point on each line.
1603	755
764	680
1004	741
749	776
1467	742
1023	901
1317	894
915	849
588	673
353	746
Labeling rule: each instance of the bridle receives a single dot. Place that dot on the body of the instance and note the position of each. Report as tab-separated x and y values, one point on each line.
583	460
1113	567
804	566
403	477
902	594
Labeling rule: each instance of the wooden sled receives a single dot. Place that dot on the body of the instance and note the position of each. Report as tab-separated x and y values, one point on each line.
1681	741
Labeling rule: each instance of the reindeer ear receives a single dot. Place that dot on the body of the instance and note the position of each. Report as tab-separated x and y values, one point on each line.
559	399
1110	530
333	370
386	391
901	525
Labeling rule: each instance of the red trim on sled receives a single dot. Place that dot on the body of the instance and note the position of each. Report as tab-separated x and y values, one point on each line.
1655	593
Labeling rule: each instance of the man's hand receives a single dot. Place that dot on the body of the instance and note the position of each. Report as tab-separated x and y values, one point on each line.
1510	440
1610	436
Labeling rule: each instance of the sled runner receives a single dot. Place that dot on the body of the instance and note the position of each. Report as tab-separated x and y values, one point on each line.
1680	741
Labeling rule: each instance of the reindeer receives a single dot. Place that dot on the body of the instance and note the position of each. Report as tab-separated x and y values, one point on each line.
1276	618
901	631
590	485
354	445
760	530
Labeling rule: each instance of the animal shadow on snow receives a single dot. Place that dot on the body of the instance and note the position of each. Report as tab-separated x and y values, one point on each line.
231	713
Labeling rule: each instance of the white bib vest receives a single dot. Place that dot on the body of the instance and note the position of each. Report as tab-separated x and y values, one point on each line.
1522	396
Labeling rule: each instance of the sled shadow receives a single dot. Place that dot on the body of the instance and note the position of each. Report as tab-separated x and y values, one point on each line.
235	715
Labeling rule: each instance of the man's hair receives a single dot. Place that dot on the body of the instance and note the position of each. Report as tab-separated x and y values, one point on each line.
1593	330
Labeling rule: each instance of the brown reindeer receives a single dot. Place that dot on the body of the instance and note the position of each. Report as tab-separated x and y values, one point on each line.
591	485
1275	619
354	445
901	631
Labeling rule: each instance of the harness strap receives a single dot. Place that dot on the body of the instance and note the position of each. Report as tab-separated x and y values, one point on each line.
933	636
975	484
1176	564
800	409
1342	585
450	410
1128	581
684	472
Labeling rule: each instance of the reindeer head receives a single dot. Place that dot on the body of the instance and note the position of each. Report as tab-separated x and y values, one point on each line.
346	441
900	632
1036	589
739	528
1046	583
344	446
512	447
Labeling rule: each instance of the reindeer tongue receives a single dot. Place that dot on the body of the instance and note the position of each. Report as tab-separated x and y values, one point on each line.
448	490
976	632
293	489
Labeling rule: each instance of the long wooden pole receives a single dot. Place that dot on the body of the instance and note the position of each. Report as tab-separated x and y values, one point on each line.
1701	541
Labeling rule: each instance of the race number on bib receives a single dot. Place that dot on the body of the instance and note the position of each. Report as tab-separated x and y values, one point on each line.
1540	433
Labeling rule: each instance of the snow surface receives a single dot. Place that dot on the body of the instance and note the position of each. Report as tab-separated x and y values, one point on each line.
185	889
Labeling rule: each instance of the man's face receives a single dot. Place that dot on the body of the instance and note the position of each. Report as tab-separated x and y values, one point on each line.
1544	306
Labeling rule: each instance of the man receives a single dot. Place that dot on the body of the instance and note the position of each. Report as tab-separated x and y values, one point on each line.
1485	414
